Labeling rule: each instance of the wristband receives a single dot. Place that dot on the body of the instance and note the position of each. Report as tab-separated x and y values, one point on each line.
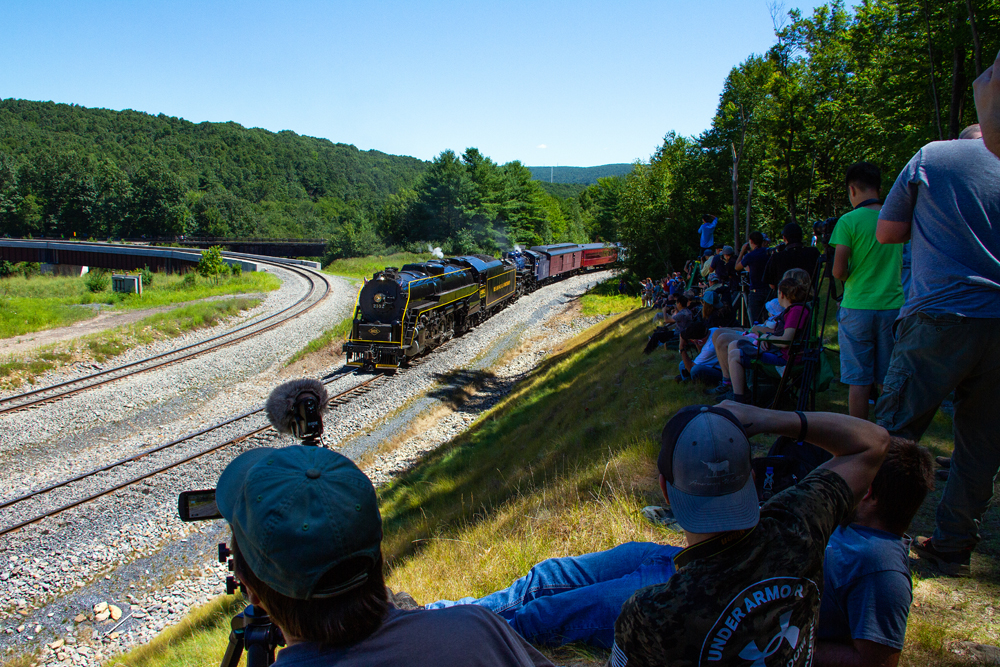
804	429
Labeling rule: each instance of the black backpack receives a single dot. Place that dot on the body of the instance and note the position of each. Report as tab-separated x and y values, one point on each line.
786	463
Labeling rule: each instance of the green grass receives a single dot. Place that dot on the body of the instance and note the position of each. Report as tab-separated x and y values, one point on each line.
365	267
337	332
45	302
604	299
109	344
170	324
563	466
199	640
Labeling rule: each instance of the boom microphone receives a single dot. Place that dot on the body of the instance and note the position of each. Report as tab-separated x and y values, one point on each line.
296	407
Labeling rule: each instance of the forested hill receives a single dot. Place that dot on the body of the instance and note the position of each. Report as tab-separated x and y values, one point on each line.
66	168
581	175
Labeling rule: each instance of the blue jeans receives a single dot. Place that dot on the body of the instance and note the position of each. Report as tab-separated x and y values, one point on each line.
709	375
578	598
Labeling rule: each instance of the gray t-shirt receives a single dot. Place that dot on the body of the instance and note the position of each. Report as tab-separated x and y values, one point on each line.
950	191
465	635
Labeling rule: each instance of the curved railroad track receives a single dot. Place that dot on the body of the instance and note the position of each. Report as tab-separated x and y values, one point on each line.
339	399
63	389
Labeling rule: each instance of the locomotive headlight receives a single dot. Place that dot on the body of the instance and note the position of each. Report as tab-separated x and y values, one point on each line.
379	298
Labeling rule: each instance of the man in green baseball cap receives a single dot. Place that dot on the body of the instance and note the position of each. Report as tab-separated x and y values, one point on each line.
307	545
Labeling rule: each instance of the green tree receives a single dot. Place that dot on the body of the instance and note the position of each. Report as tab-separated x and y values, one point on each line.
211	265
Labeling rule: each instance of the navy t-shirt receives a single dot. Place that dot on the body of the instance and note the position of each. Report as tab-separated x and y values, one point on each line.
465	635
754	262
867	589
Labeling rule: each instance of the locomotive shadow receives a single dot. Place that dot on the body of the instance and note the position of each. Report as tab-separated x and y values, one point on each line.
455	388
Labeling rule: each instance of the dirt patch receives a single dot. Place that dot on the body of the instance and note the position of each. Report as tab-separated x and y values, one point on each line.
102	322
317	363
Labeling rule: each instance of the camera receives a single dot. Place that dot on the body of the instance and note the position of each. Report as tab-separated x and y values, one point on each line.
823	230
294	408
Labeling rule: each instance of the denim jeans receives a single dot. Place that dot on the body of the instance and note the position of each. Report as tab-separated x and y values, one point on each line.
866	343
934	355
578	598
710	375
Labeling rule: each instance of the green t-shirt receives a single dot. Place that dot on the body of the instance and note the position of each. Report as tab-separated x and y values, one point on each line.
875	280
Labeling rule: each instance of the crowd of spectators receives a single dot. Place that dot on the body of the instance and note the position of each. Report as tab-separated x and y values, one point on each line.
815	574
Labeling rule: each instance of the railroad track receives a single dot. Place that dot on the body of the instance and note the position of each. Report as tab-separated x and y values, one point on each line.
338	400
63	389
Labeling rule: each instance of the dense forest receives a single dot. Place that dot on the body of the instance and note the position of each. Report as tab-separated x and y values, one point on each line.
837	87
66	169
578	175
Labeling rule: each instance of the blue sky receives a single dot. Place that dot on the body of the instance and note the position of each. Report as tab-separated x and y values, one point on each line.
569	83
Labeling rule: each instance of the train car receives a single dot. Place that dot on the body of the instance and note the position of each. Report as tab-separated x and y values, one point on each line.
561	259
401	313
598	255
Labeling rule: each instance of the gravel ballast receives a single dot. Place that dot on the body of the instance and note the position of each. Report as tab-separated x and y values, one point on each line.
128	548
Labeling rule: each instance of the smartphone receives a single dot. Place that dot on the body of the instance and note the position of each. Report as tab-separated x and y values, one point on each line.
198	505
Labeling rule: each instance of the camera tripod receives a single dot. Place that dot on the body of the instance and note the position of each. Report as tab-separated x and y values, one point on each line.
744	318
253	632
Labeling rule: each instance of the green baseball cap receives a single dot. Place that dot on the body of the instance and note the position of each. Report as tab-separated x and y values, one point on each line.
297	512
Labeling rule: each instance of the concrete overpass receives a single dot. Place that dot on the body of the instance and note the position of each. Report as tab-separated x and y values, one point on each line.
108	256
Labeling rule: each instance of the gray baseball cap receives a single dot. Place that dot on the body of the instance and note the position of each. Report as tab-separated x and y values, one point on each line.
296	513
705	458
728	250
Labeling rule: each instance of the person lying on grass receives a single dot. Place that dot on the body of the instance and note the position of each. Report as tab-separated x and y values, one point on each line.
748	584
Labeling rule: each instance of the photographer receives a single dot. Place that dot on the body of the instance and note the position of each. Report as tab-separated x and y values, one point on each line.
724	266
753	259
307	545
707	231
793	256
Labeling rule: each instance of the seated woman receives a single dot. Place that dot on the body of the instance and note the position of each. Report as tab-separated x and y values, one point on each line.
725	337
774	343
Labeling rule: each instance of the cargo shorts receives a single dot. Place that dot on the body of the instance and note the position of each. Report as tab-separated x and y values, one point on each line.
866	342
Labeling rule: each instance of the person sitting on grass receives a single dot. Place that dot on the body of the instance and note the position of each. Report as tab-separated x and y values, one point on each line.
772	346
705	366
663	605
867	590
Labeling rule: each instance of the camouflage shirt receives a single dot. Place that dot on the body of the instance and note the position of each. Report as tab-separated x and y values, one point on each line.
741	598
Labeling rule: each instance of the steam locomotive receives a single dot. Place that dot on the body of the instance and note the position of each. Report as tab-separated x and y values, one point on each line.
401	313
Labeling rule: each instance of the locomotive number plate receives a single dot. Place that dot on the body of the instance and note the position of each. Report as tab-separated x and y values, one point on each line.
374	332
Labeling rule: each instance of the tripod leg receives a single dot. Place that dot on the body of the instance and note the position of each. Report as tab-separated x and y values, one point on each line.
234	651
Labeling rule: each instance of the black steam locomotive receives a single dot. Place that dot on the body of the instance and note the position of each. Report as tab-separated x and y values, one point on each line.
403	312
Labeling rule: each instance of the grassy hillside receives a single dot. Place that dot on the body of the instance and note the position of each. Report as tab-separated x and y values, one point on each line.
563	466
581	175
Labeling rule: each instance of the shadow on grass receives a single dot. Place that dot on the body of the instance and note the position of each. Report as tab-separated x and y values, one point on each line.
576	410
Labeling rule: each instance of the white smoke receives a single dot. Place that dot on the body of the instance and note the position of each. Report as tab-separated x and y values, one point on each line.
517	248
435	251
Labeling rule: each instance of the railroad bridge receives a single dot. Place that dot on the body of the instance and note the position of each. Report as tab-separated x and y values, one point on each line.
290	248
116	257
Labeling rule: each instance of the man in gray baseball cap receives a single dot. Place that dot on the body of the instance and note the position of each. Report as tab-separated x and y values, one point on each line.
748	574
307	539
748	585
